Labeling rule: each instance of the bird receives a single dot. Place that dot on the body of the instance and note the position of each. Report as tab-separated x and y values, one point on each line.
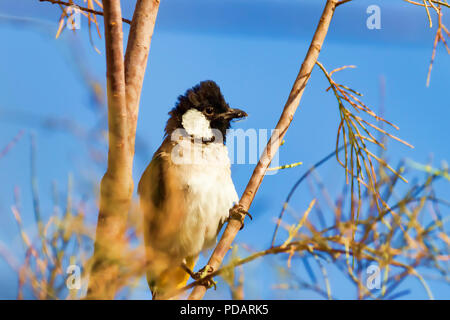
186	193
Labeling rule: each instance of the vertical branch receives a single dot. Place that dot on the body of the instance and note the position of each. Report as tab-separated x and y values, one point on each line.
124	85
136	57
117	185
285	120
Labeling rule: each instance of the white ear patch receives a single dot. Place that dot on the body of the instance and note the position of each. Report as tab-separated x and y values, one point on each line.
196	124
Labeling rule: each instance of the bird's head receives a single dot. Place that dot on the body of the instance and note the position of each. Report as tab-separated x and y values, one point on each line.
201	110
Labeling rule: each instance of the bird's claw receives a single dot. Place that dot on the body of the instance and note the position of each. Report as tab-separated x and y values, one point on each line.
236	213
202	274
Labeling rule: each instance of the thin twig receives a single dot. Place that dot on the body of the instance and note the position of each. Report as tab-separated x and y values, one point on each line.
68	4
295	186
342	2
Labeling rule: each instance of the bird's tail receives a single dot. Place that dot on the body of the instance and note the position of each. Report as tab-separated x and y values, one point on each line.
170	280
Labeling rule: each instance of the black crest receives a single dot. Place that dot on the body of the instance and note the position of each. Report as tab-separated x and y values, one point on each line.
206	98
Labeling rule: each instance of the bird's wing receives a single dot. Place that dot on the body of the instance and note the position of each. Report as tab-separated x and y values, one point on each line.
152	194
161	205
151	190
151	186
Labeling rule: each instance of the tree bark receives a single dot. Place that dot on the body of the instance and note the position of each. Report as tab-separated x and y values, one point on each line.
272	146
124	85
136	57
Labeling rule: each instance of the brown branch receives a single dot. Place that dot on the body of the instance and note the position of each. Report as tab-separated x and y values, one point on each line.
342	2
68	4
296	246
198	283
125	78
136	57
117	185
283	124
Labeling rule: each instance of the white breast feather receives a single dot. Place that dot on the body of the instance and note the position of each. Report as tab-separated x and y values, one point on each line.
209	194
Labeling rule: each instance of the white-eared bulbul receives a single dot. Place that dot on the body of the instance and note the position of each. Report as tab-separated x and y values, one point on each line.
186	192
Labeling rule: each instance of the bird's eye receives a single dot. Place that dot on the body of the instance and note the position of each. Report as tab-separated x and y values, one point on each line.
209	110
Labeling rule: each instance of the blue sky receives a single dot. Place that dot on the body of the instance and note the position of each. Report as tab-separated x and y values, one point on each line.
253	50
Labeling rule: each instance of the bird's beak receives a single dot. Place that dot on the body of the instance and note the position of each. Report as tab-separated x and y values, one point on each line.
234	114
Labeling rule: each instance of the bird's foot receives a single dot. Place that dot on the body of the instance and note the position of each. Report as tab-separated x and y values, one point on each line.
238	213
187	269
202	274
